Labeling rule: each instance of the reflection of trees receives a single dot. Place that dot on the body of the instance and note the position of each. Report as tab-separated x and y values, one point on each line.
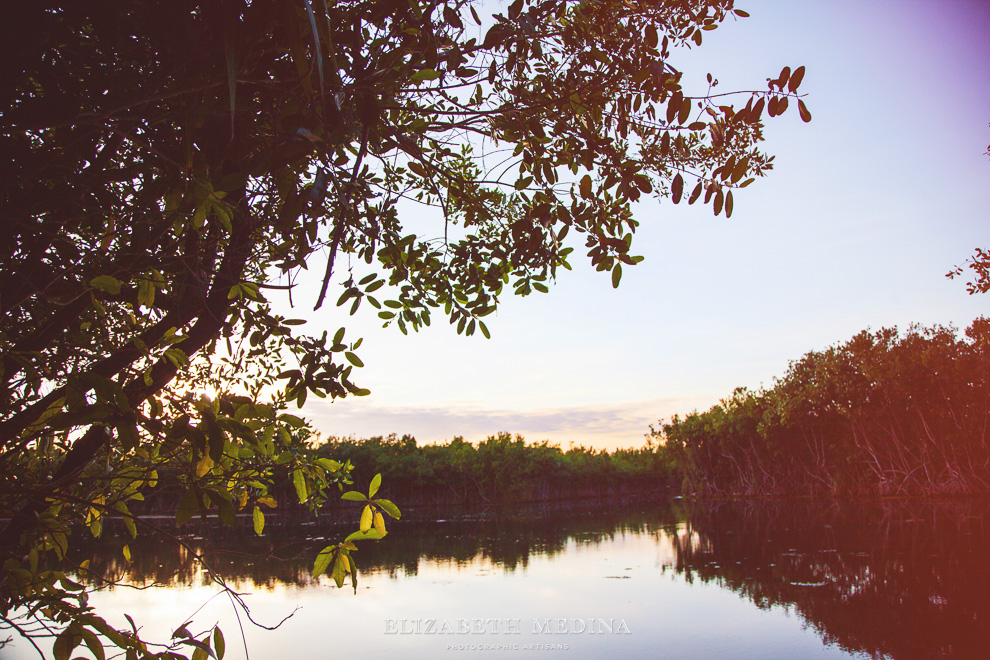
498	536
902	579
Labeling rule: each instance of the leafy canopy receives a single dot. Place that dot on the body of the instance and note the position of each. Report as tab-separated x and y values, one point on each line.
167	165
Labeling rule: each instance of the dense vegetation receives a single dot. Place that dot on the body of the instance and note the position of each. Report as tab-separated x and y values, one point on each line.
499	469
884	413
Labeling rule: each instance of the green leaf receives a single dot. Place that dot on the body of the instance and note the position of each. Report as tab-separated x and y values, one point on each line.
146	293
219	644
389	508
188	506
93	643
339	569
376	483
616	276
225	511
205	465
370	535
198	645
177	357
131	621
64	643
353	359
106	283
323	560
354	496
131	527
425	74
329	464
299	481
259	520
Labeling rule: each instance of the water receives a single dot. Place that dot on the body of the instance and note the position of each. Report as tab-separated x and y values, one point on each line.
668	580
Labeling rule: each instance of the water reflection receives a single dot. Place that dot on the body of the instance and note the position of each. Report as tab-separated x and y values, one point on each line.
502	539
894	579
900	579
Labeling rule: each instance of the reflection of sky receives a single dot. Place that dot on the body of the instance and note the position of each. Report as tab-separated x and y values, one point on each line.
619	579
868	208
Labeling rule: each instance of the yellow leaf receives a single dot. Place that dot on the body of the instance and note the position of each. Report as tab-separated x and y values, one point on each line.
259	520
367	517
205	465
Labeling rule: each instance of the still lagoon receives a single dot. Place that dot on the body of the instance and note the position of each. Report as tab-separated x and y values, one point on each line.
666	579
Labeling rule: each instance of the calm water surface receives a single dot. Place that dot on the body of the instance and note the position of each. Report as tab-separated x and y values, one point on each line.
669	579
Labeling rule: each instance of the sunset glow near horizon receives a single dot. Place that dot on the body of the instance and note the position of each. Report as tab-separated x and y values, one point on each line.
867	209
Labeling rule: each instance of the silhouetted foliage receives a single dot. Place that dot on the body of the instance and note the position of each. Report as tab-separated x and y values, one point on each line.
979	263
883	413
500	469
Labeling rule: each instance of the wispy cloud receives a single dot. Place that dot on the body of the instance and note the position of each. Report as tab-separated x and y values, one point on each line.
603	426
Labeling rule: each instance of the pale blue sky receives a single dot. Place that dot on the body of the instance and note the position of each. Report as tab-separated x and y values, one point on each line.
870	205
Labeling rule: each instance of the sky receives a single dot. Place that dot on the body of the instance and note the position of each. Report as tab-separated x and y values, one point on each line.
869	206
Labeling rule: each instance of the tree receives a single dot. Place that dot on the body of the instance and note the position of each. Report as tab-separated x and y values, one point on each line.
979	263
168	165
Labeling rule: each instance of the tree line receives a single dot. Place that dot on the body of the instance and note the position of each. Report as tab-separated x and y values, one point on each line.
503	468
885	413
